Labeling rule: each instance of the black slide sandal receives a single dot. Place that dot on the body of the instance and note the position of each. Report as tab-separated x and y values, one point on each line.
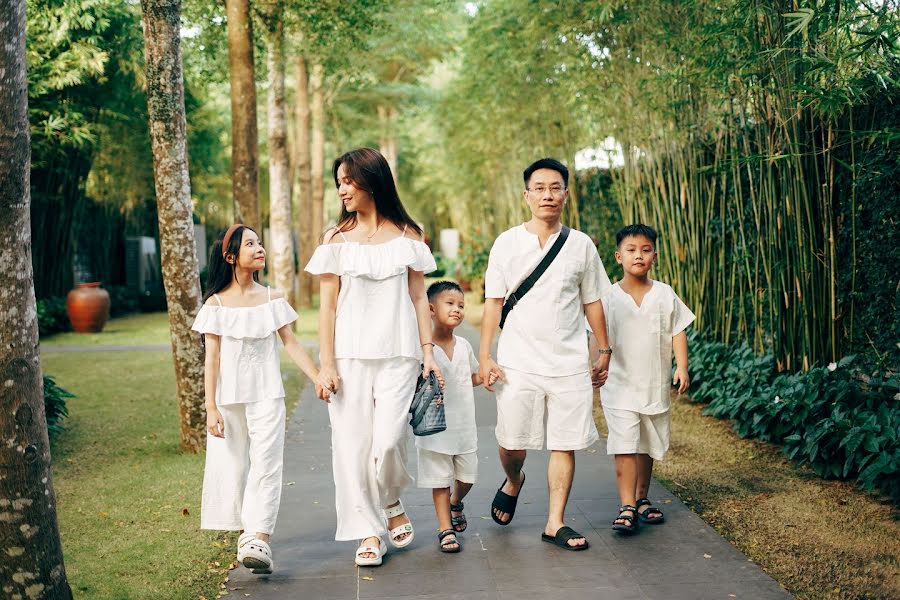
562	537
645	517
505	503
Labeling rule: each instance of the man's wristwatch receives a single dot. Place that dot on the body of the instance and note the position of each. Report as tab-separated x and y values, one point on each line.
605	350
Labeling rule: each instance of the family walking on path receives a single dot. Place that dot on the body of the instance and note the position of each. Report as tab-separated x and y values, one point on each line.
380	333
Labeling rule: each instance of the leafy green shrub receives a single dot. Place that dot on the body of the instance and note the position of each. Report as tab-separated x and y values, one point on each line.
52	317
55	405
840	422
473	257
122	300
446	267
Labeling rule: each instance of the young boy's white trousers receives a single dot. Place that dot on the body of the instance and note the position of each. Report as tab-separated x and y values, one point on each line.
369	425
242	479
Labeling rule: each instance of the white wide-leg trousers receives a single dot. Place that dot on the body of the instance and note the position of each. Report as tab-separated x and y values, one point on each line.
369	424
242	479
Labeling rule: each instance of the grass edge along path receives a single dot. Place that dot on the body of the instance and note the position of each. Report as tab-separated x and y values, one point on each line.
817	538
128	500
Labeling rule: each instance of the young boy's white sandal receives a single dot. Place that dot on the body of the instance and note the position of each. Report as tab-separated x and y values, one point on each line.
255	554
378	551
393	534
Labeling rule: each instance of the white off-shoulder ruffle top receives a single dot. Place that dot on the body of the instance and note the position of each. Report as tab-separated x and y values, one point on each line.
249	368
375	316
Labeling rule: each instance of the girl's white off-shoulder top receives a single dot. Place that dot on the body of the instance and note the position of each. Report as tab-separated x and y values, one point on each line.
375	316
249	367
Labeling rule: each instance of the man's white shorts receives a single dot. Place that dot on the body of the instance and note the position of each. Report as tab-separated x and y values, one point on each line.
439	470
635	433
524	399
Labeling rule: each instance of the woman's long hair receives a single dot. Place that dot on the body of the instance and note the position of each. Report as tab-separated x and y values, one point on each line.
369	171
220	273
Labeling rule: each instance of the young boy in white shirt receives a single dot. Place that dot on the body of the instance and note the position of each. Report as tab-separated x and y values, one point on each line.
646	322
449	459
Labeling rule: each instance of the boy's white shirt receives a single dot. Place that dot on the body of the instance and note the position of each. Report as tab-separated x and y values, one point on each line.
640	371
544	333
461	435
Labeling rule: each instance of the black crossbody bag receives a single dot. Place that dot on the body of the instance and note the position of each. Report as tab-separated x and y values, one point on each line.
529	281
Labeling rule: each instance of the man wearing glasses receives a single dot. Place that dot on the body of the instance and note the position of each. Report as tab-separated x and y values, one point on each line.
543	365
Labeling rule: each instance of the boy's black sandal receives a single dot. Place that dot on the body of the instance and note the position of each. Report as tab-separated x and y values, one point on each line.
445	544
651	515
562	537
631	525
459	523
505	503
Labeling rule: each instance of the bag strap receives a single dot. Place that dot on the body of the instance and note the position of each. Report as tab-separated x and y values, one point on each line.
529	281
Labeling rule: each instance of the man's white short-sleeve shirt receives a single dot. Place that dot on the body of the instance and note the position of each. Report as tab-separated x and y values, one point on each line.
544	333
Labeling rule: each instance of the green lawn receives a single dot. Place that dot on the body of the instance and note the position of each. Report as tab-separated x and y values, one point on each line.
128	500
153	328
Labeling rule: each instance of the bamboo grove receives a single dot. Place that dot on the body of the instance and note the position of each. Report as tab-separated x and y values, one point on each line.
741	124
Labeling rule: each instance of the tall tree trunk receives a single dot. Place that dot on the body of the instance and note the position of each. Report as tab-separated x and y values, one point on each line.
317	147
281	245
303	207
32	565
574	195
387	142
180	268
244	135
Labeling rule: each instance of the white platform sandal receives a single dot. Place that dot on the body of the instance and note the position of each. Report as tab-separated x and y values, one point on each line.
255	554
378	551
394	533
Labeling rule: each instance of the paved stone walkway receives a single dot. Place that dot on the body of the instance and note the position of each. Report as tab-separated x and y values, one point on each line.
681	559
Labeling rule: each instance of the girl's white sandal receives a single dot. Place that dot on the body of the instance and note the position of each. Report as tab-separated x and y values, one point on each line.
255	554
378	551
396	511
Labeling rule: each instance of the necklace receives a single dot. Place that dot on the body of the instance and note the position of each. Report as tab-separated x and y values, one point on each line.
370	236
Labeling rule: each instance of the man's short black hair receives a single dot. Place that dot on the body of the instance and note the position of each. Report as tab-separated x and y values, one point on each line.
636	229
439	287
547	163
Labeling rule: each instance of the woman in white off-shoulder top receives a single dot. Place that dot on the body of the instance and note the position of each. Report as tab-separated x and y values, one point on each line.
374	333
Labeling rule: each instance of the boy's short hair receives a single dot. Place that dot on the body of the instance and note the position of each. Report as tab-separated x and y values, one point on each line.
636	229
547	163
439	287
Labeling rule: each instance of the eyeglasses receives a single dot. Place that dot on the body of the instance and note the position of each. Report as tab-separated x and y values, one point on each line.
555	190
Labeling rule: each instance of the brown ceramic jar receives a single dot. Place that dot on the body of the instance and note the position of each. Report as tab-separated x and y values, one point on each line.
88	307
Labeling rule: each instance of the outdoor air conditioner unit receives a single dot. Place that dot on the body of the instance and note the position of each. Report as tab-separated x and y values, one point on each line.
142	265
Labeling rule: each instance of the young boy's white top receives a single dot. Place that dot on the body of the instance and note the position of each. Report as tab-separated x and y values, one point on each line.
249	367
460	436
641	338
551	316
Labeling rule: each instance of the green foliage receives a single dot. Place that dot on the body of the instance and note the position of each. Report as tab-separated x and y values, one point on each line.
55	405
52	317
474	252
840	422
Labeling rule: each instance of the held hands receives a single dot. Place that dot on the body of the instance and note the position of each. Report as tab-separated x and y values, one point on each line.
490	373
600	371
681	380
327	383
215	426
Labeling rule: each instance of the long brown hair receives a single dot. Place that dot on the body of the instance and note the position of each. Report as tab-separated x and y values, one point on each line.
369	171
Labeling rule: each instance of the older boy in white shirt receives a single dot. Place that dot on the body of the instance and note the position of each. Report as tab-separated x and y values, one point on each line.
646	321
544	365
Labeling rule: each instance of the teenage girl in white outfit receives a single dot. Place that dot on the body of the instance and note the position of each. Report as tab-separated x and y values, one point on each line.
374	333
245	413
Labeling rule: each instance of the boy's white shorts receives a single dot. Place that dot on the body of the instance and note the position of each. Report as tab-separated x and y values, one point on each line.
439	470
524	398
635	433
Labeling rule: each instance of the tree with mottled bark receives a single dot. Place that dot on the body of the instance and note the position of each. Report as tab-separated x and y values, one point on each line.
281	247
32	565
244	134
180	268
304	197
317	147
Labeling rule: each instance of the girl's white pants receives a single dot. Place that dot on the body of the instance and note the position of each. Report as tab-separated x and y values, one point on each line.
369	424
242	479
